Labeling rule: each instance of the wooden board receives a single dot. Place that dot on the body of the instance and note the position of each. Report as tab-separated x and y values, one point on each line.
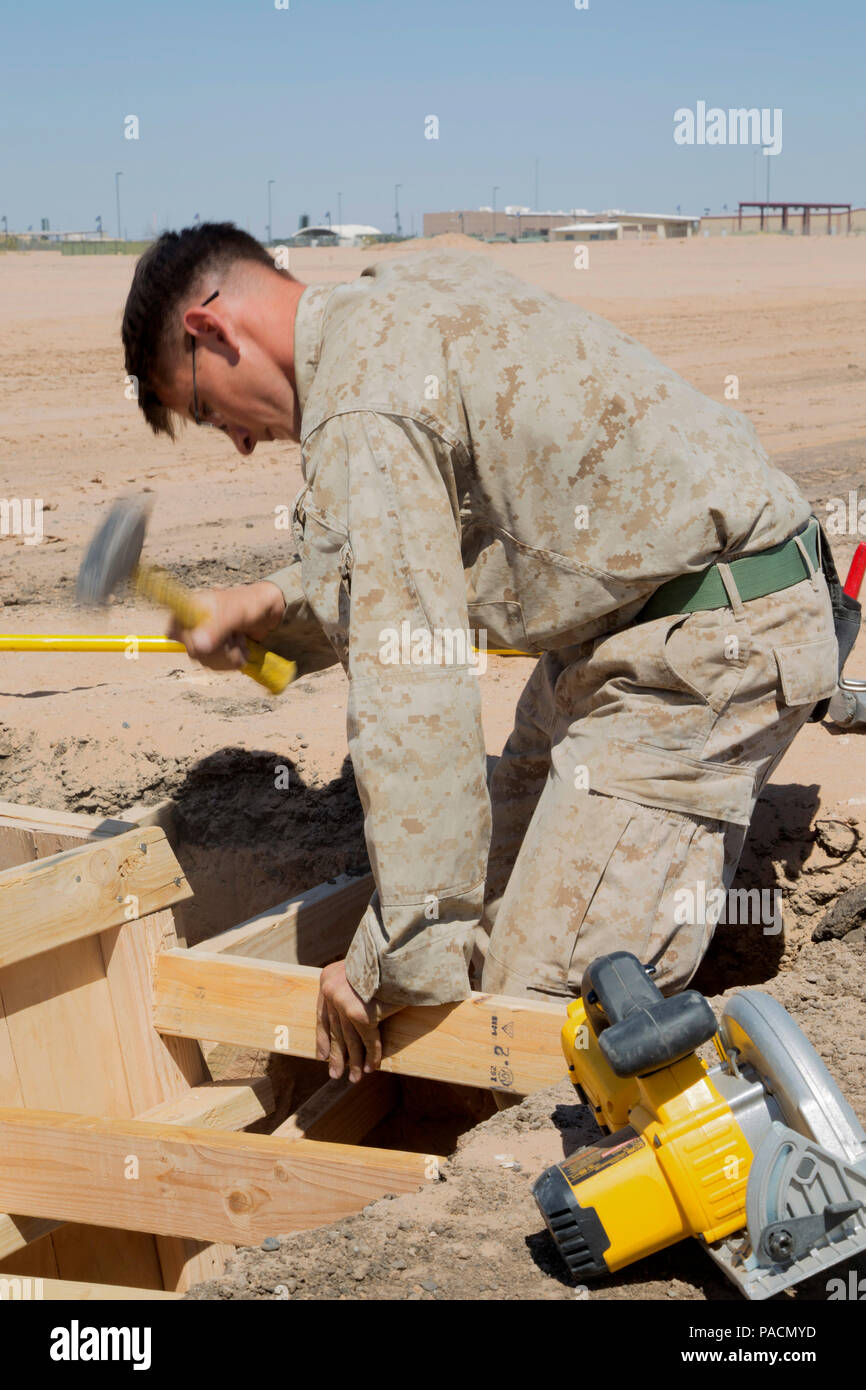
81	892
195	1182
24	1287
229	1105
489	1040
18	1231
313	928
76	1034
341	1112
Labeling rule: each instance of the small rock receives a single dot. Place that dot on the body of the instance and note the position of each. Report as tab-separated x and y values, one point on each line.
270	1243
463	1252
399	1264
429	1284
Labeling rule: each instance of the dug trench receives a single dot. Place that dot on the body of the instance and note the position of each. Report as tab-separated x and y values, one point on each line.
261	819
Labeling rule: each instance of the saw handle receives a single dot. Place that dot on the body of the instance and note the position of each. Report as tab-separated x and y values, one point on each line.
638	1029
263	666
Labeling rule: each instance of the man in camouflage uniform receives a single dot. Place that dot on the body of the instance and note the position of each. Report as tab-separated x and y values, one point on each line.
480	456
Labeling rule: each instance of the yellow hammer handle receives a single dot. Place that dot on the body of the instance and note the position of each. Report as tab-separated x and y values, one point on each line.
268	669
84	642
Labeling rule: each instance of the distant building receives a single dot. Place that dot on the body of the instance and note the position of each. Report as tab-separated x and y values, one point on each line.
507	222
627	226
344	234
513	224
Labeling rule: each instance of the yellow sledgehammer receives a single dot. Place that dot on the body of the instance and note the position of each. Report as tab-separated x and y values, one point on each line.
113	558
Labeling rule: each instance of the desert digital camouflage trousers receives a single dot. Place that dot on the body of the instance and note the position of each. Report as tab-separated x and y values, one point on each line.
631	775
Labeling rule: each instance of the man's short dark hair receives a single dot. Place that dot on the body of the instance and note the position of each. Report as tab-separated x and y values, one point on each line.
164	278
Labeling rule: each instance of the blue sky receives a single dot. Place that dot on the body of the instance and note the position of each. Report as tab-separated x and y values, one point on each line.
331	96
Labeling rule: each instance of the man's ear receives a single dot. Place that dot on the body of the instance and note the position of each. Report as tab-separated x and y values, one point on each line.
201	320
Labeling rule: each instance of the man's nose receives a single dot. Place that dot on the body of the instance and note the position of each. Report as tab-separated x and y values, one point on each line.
242	440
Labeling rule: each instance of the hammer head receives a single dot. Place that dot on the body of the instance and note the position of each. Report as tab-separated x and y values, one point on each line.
113	553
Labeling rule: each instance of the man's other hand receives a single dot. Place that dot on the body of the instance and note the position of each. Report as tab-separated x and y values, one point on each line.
247	610
347	1029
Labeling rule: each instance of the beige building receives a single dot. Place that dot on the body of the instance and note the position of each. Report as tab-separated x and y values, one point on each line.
626	226
578	225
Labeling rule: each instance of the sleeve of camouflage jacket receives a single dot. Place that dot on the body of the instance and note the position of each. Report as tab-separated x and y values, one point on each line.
414	727
299	637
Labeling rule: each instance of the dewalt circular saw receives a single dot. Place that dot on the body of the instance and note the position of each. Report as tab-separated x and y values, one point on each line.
758	1156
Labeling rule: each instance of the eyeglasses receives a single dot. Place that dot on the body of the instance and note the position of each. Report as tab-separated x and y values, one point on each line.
195	408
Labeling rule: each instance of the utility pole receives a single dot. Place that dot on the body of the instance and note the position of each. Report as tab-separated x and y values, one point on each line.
536	186
270	185
397	187
339	209
495	191
117	178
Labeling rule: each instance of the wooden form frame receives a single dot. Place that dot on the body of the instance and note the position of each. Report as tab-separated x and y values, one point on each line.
121	983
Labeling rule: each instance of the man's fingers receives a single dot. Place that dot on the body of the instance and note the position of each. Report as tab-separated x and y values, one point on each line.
372	1040
338	1050
355	1048
323	1032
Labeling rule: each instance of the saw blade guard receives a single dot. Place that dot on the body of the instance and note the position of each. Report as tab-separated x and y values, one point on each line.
757	1030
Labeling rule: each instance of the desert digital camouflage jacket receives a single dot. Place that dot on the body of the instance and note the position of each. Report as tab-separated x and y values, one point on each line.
480	455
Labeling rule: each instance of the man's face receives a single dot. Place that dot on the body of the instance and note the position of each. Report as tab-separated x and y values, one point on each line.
240	388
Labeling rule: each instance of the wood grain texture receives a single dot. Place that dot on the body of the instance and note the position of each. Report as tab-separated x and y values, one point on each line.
76	894
23	1286
229	1105
195	1182
488	1040
313	928
18	1231
76	1034
340	1112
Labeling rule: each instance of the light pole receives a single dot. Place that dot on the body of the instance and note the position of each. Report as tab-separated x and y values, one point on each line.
117	178
270	184
495	191
339	209
397	187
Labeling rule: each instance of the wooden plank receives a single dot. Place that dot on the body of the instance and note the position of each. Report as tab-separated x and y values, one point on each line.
104	1254
313	928
489	1040
228	1105
24	1287
18	1231
155	1072
196	1182
84	891
38	1260
159	1070
71	823
340	1112
80	1017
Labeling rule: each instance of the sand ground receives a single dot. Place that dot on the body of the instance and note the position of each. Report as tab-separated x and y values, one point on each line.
101	733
